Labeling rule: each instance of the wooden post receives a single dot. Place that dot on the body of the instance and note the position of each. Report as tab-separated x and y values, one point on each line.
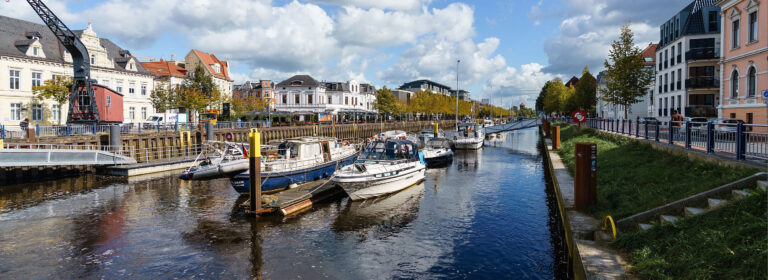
556	137
585	175
254	170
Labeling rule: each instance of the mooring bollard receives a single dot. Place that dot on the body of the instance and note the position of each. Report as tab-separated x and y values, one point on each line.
436	130
556	137
114	137
585	175
254	170
209	131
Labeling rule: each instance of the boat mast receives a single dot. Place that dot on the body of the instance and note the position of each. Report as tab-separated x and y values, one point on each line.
457	93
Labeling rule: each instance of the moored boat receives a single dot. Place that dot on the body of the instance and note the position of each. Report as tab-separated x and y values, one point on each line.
218	159
384	167
297	161
468	136
437	152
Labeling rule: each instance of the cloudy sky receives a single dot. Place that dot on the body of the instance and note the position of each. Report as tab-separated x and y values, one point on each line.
507	48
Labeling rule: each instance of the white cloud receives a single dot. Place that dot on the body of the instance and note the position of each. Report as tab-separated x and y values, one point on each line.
379	4
517	85
376	27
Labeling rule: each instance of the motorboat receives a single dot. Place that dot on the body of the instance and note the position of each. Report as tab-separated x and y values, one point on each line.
297	161
218	159
396	134
468	136
437	152
384	167
427	134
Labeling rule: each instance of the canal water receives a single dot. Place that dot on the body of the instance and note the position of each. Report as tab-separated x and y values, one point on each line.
485	216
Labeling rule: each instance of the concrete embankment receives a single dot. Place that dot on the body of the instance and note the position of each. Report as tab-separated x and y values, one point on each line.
589	259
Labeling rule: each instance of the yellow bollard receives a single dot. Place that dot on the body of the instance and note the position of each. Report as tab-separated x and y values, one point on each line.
436	129
254	170
1	144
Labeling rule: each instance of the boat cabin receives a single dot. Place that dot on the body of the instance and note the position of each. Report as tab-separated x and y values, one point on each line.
391	149
306	148
468	130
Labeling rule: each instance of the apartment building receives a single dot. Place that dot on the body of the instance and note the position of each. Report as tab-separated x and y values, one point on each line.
744	63
688	54
264	89
31	54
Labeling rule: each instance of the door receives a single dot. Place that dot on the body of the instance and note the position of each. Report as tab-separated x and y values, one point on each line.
326	151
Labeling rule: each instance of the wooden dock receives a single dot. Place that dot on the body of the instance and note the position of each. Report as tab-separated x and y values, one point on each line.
301	198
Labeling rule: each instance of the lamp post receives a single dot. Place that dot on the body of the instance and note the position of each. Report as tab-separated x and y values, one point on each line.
457	92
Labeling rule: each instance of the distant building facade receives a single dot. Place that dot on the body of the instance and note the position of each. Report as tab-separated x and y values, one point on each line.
264	89
404	96
31	54
218	69
687	59
424	85
304	94
744	63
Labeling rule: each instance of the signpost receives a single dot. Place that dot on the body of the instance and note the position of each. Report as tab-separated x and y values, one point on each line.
579	117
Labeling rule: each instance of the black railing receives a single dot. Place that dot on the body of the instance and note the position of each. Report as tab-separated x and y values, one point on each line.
701	53
702	82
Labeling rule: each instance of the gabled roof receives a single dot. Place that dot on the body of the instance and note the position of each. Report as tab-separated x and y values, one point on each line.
337	86
15	34
304	80
649	52
164	69
209	60
572	81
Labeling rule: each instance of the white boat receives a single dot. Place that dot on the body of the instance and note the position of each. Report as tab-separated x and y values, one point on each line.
384	167
427	134
468	136
396	134
437	152
218	159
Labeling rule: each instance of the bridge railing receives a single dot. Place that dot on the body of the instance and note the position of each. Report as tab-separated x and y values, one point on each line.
739	141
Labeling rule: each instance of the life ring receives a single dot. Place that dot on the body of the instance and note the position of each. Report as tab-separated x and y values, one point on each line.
230	136
345	143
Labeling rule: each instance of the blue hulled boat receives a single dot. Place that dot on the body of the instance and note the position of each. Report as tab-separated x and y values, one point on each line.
297	161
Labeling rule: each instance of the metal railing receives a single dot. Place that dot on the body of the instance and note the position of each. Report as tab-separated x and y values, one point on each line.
734	140
15	131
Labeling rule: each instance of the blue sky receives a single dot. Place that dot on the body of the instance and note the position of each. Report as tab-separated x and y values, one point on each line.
507	48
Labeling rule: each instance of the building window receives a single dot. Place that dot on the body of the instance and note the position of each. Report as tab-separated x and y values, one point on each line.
672	83
55	112
330	100
713	21
735	34
131	88
15	77
309	99
296	99
35	50
15	111
37	79
679	78
753	27
119	86
285	99
109	101
37	112
734	84
143	89
143	113
131	113
751	82
346	100
105	83
672	59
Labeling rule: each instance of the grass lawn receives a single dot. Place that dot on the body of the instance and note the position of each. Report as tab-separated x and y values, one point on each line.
728	243
634	177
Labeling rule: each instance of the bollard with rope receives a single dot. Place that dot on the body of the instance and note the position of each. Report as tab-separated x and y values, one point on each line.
613	226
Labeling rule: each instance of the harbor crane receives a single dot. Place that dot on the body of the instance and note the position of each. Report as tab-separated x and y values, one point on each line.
82	102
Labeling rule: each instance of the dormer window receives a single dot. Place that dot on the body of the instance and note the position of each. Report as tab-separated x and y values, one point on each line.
296	83
35	51
217	68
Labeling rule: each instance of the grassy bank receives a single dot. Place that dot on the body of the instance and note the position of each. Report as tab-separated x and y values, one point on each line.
729	243
634	177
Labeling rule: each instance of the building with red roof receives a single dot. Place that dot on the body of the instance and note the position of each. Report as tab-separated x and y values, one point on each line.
218	69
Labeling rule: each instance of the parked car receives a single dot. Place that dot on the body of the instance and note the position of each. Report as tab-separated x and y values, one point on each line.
696	123
728	124
651	120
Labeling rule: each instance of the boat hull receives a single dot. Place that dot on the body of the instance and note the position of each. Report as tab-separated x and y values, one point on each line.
467	145
276	181
227	169
360	189
439	161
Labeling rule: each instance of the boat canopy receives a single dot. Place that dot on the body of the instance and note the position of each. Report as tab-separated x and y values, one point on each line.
391	149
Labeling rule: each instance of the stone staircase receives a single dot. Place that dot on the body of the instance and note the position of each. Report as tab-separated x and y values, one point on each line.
697	204
711	204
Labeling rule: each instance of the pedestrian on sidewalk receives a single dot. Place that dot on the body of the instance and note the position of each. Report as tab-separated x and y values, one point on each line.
677	123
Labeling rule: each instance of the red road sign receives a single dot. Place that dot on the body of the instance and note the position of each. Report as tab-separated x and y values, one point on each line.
579	116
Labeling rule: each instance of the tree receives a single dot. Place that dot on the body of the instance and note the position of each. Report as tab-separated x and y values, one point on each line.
163	99
386	102
192	99
241	106
627	79
556	96
199	92
56	89
586	92
542	96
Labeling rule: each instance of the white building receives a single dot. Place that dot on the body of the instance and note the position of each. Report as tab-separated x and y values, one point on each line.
688	53
31	54
304	94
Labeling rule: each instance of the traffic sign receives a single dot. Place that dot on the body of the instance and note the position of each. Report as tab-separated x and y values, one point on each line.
579	116
765	93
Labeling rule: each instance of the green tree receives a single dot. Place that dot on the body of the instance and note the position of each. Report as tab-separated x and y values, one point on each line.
56	89
586	92
386	102
556	94
199	92
542	96
163	99
627	79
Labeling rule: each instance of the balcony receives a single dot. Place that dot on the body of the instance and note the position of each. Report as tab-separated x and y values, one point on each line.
702	82
708	111
702	53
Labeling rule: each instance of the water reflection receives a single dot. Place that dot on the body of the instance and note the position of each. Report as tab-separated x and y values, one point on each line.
384	215
484	216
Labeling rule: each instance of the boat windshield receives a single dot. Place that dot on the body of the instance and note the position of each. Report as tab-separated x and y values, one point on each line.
437	144
389	150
